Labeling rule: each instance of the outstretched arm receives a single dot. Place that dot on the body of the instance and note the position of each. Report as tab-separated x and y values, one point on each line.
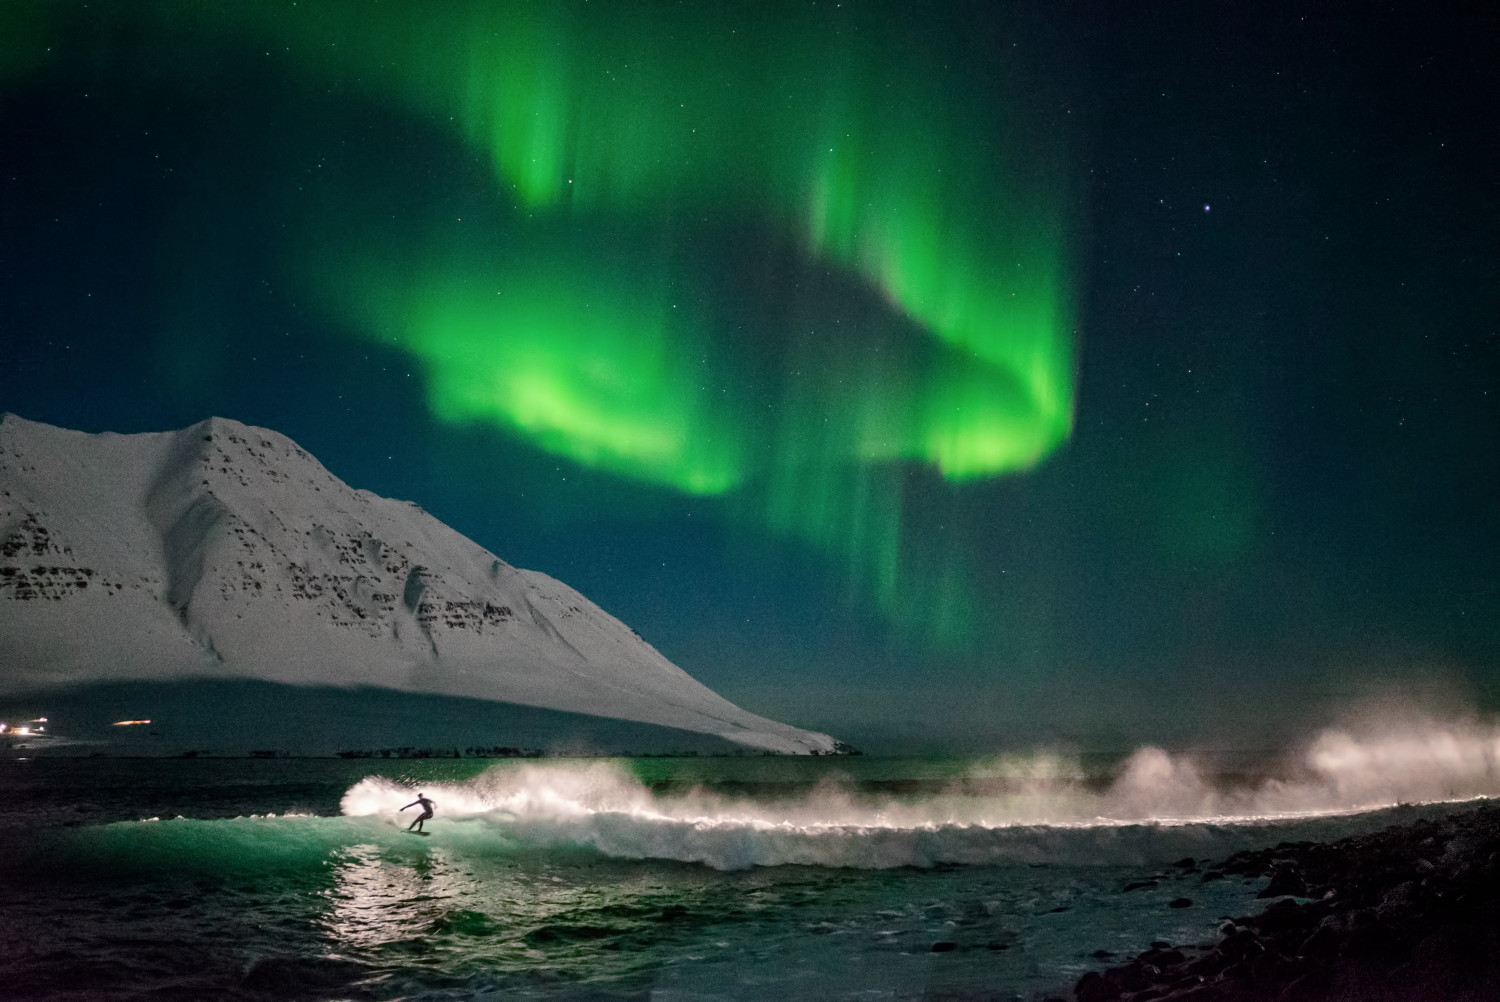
414	803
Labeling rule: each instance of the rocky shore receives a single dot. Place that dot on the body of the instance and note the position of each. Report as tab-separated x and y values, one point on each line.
1411	913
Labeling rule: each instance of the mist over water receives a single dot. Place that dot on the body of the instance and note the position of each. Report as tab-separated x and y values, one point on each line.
744	878
1038	807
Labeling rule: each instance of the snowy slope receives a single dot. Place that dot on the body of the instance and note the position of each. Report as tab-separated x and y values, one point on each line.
225	551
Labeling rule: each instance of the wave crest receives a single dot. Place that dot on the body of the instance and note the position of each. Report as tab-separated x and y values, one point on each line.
1038	808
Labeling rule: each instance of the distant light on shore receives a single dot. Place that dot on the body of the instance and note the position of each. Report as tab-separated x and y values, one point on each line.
130	723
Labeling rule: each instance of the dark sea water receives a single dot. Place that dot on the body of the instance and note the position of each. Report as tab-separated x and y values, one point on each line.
752	878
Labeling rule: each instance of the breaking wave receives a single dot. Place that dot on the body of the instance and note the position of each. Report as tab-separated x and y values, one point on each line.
1152	808
1023	809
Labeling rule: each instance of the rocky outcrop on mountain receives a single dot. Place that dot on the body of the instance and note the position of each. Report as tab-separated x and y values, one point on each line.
1408	913
224	551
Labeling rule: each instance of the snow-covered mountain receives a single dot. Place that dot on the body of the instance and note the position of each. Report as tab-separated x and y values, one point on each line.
224	551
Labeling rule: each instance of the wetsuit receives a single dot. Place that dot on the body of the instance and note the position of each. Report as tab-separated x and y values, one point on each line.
427	806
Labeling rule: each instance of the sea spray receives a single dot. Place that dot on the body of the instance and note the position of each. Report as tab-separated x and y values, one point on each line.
1338	772
759	878
1033	810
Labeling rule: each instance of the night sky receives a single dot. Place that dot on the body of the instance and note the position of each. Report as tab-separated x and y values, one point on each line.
958	375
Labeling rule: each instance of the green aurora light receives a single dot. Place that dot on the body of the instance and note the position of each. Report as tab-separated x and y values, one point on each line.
877	143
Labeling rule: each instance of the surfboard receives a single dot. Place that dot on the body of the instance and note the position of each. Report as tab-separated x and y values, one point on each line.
418	833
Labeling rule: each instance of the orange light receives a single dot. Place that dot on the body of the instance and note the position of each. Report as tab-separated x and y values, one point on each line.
130	723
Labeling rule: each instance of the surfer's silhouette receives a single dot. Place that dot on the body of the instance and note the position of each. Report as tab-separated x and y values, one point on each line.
427	806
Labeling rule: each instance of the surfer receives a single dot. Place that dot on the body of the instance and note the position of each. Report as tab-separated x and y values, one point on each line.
427	806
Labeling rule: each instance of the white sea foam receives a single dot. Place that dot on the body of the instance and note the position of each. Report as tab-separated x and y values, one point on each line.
1158	804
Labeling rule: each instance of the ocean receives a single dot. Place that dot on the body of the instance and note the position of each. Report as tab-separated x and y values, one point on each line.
554	879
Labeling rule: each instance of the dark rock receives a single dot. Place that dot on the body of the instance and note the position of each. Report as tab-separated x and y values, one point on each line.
1282	915
1208	965
1314	983
1180	903
1186	863
944	946
1239	971
1398	900
1241	944
1102	954
1267	968
1093	988
1411	912
1136	885
1285	880
1324	941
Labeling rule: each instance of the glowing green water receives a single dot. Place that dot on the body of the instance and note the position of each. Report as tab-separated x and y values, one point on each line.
554	907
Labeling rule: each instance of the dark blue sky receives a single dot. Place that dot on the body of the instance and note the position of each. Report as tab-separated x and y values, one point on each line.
1280	489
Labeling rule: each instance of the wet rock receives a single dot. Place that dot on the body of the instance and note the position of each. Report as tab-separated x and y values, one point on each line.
1180	903
1285	880
1136	885
1324	941
1240	944
1282	915
1133	977
1093	988
1208	965
1398	900
1212	875
944	946
1410	913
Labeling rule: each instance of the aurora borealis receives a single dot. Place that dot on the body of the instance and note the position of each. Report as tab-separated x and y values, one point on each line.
579	319
853	344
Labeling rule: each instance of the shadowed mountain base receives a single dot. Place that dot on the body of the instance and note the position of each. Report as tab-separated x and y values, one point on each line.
244	717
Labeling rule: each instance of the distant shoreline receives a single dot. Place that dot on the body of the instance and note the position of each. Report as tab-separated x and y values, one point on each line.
75	752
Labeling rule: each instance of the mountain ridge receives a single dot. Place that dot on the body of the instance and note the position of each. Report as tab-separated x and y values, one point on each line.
223	550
